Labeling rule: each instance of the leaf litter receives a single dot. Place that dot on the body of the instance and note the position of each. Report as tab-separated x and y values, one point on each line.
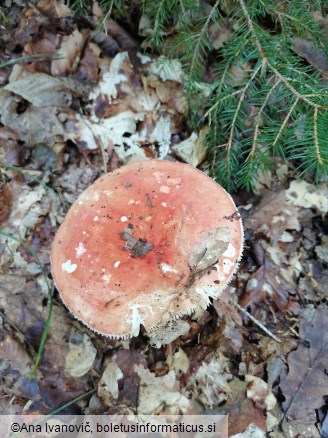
104	104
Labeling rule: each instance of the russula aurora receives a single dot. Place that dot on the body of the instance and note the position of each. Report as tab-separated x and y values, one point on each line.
146	245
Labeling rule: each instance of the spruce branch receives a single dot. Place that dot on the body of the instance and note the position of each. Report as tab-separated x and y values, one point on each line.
258	119
200	38
315	135
241	98
258	96
265	59
284	123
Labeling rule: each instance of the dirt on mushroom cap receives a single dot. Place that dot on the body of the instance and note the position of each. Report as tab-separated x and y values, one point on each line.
146	244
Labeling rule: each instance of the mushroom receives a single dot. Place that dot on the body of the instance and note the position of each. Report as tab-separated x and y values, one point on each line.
146	244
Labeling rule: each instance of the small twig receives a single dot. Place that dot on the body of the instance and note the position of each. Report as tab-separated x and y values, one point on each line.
255	321
29	58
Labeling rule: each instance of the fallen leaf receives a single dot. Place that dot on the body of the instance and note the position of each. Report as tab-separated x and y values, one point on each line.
210	382
241	411
305	383
108	389
193	150
312	53
41	90
252	431
15	367
69	53
219	35
167	70
259	391
88	67
303	194
54	9
322	250
30	122
157	393
81	355
5	201
125	41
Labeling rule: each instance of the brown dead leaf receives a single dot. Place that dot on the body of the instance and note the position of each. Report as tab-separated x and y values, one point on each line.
15	367
28	26
241	410
125	41
88	68
70	51
54	9
219	35
305	383
41	90
313	54
158	393
259	391
252	431
30	121
81	355
230	320
40	45
119	383
274	214
267	283
303	194
12	150
193	149
106	43
210	382
5	200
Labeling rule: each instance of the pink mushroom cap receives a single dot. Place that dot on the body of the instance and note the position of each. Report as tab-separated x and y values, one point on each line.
146	244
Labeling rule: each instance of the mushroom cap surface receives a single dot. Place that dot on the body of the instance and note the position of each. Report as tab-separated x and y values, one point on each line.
145	244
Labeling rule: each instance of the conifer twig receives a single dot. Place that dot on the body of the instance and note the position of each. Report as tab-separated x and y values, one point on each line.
315	136
243	93
282	126
258	119
266	60
258	323
201	34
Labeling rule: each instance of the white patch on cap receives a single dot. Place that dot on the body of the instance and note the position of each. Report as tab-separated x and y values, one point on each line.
221	276
96	218
68	266
80	250
124	219
174	181
117	264
106	278
131	202
230	251
167	268
227	265
164	204
158	176
164	189
95	196
108	193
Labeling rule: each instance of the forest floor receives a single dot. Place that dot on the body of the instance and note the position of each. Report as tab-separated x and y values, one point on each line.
77	102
